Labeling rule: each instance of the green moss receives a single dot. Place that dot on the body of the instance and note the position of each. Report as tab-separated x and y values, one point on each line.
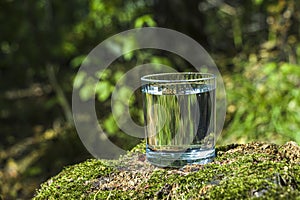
255	170
73	182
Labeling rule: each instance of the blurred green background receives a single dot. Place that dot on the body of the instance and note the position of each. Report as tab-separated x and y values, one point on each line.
254	43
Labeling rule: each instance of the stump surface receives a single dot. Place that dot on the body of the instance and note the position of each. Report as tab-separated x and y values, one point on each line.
239	171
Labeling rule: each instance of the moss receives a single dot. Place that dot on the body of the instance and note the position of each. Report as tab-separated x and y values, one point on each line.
255	170
73	182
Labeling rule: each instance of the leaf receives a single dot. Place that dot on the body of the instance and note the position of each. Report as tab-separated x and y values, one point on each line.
117	76
68	48
118	108
125	94
127	48
104	74
86	92
287	68
269	67
103	90
160	60
110	125
144	20
79	79
257	2
76	62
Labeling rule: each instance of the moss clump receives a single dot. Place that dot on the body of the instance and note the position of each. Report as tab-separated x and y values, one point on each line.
73	181
255	170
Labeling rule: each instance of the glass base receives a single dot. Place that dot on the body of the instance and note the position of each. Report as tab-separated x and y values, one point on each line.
179	159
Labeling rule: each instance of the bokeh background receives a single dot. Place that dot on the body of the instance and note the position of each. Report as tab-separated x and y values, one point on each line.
254	43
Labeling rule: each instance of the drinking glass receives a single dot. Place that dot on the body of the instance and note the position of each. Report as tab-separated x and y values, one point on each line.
180	118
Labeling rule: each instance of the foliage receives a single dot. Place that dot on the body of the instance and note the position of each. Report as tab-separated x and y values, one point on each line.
265	103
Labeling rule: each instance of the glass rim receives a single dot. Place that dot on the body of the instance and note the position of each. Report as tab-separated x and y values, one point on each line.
148	78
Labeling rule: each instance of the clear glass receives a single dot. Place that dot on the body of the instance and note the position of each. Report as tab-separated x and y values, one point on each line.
180	118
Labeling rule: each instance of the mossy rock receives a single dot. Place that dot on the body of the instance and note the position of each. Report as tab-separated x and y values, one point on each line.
239	171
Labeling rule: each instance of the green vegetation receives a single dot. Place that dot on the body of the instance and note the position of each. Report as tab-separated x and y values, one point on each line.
265	103
255	44
255	170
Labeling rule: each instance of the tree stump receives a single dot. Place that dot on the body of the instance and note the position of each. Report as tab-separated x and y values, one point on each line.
239	171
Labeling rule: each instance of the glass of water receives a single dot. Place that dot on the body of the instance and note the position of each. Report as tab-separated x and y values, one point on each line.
180	118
